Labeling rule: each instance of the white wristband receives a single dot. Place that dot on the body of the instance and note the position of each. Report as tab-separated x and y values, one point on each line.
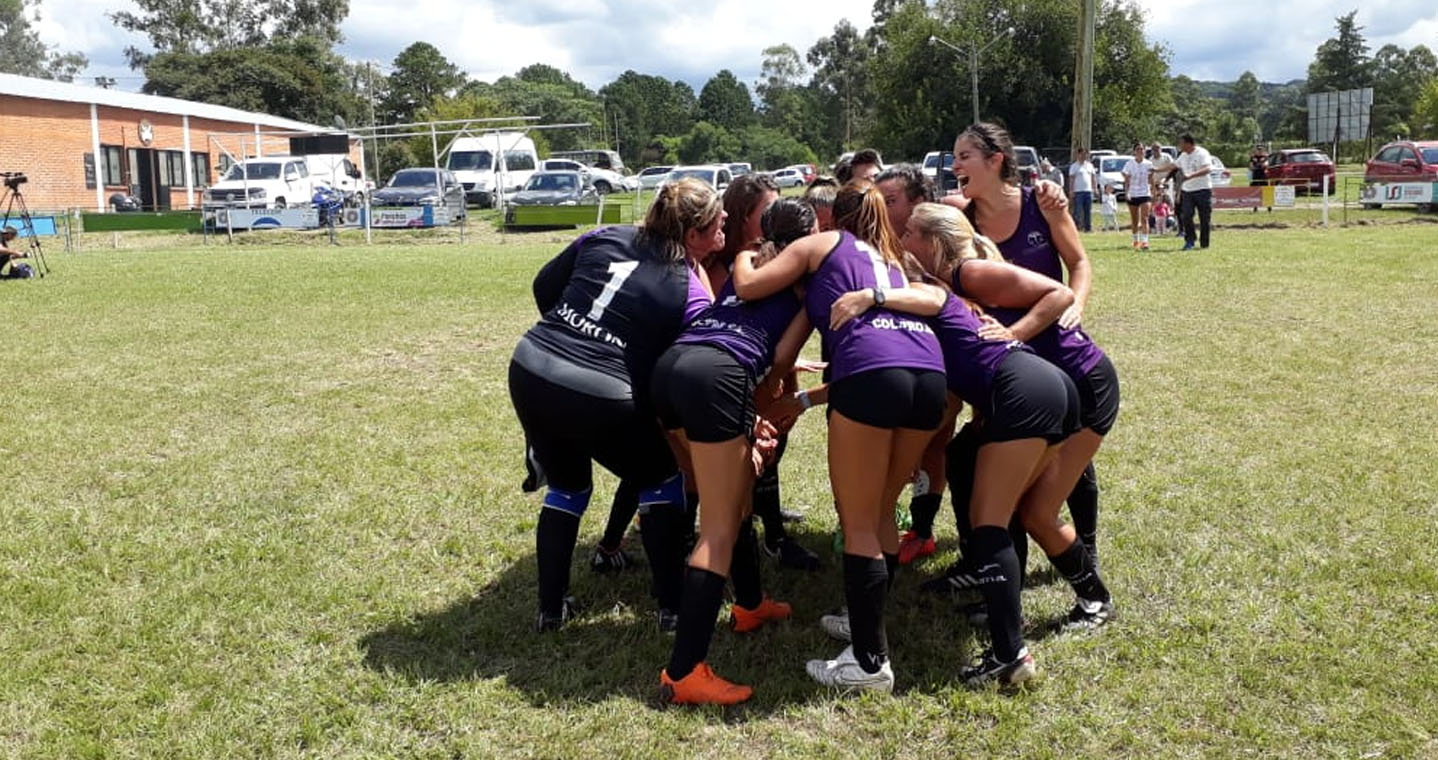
804	401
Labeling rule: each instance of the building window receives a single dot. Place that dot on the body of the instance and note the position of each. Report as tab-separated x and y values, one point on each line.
110	160
201	163
177	168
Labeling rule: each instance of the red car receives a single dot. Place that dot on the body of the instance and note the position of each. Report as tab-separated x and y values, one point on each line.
1304	167
1404	161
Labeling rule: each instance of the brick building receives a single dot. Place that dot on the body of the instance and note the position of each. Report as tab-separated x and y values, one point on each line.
79	145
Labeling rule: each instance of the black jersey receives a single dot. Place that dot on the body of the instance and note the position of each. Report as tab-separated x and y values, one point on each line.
611	305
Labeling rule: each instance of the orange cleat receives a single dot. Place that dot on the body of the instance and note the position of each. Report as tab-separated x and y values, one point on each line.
701	687
912	547
768	611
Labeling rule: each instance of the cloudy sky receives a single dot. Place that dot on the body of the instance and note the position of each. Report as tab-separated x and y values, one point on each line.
596	40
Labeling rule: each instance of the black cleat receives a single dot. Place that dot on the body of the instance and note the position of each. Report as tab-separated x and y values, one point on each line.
606	561
792	554
567	610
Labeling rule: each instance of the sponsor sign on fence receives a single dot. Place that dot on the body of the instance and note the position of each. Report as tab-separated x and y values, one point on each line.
267	219
1269	196
408	216
1399	192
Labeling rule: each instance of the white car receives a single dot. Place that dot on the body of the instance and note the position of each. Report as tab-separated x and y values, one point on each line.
653	177
1220	175
788	178
715	175
1110	173
276	182
604	181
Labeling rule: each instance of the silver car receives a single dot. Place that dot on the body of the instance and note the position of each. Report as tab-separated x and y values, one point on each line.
653	177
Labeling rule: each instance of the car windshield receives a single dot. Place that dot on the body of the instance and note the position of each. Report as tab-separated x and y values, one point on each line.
703	175
254	171
1026	157
1114	165
1430	155
471	160
653	170
552	182
1309	157
414	178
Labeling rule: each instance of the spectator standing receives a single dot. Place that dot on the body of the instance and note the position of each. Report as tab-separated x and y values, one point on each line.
1194	166
1258	167
1083	185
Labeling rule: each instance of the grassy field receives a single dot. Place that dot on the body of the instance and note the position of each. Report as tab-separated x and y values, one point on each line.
262	501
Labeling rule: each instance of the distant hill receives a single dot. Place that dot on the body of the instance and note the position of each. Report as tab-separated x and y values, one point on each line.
1224	90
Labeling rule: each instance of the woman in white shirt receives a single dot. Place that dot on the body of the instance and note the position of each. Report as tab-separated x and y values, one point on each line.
1136	180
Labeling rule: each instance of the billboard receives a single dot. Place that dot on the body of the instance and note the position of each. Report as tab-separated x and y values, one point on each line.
1339	115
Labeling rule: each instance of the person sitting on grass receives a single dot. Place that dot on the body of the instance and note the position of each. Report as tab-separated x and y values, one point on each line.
10	269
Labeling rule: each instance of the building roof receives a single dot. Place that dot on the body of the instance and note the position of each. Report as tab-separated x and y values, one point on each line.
49	89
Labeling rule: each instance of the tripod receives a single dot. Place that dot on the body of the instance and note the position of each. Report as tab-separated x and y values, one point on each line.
11	199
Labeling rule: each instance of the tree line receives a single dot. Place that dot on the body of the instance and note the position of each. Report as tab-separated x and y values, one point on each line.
890	87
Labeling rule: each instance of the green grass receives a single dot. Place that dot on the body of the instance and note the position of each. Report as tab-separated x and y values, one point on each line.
262	501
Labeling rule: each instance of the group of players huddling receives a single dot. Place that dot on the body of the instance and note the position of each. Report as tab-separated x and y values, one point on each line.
666	353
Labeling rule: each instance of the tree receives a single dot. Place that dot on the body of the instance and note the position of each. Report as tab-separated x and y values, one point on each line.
1425	113
771	147
297	79
202	26
725	102
553	97
1398	79
22	52
646	108
840	79
786	105
420	75
1341	62
708	143
1247	99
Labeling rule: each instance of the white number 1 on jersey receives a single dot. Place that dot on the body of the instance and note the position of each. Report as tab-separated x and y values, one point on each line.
619	271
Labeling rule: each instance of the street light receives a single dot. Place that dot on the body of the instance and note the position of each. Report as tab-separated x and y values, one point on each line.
974	53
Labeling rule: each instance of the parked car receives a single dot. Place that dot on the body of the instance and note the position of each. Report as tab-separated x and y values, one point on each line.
788	178
717	176
931	163
1304	167
1404	161
272	182
1220	175
1110	173
597	157
807	171
420	186
653	177
340	173
603	180
1028	161
739	170
556	188
472	159
1096	156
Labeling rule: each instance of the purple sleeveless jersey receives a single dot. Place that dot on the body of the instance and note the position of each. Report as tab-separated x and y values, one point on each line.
969	361
1031	246
698	299
1069	349
747	330
878	338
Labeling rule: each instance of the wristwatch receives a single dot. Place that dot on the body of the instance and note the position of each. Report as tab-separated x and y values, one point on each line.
879	297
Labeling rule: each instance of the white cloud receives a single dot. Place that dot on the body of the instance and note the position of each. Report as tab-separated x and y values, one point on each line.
596	40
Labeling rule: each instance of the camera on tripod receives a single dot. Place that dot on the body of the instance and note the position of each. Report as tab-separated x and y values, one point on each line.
14	180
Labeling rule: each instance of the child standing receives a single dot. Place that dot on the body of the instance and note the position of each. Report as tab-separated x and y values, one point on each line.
1110	209
1161	212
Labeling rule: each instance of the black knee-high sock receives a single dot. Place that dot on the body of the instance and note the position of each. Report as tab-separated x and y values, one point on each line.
744	568
1020	539
1083	508
923	509
554	548
662	527
766	497
959	460
1077	567
865	582
621	512
698	611
998	569
891	565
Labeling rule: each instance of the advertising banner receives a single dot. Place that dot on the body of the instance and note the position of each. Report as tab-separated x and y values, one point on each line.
408	216
1399	192
267	219
1269	196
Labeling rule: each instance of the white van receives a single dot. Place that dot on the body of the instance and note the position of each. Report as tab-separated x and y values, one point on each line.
340	173
472	159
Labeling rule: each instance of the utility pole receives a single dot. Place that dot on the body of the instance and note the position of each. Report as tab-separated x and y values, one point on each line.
374	142
1082	133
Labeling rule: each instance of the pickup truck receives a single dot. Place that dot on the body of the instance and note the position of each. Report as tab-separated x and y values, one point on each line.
271	182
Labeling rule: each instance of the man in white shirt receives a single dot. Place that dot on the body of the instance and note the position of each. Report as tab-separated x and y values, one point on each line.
1194	166
1083	185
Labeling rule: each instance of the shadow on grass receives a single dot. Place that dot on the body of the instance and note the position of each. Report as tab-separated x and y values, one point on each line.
613	648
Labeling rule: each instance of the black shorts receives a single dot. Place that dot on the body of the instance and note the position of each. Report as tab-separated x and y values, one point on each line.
567	429
1030	399
1136	202
1098	397
704	390
893	397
